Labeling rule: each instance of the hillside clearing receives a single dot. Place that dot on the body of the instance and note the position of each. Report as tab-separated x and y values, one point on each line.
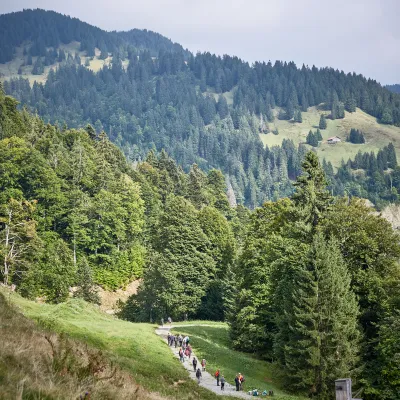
376	135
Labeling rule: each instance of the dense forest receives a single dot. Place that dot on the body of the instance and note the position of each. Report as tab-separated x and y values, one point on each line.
40	30
393	88
75	213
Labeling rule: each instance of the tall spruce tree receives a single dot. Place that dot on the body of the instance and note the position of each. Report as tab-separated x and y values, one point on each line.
322	122
317	336
311	196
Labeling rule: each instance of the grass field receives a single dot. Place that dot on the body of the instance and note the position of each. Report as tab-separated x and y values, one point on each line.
134	347
376	135
212	343
9	70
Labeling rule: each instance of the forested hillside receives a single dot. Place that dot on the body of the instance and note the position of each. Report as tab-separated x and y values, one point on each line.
394	88
41	32
74	212
200	108
310	270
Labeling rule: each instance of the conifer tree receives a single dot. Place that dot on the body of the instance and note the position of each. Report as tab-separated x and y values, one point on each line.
318	135
351	104
311	195
222	107
322	122
297	116
317	337
312	139
391	156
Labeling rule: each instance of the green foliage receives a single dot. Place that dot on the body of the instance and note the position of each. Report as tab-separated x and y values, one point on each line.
222	250
316	317
180	267
311	197
297	116
53	273
18	238
85	283
317	285
312	139
252	320
322	122
356	136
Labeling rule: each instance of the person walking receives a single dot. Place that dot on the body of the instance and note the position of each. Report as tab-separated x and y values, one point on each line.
181	355
162	321
241	381
203	364
198	375
217	376
190	351
237	383
194	362
169	339
222	383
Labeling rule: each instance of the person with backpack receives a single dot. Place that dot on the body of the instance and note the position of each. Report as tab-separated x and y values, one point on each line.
222	383
194	362
198	375
217	376
169	339
203	364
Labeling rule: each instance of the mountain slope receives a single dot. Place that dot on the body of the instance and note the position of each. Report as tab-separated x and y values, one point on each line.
38	30
137	355
205	109
376	135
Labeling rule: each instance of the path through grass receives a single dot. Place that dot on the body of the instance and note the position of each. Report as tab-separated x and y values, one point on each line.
212	343
135	347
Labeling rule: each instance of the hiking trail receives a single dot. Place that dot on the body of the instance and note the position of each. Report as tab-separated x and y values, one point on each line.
207	381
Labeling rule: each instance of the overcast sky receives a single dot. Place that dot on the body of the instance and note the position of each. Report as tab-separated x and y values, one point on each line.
361	36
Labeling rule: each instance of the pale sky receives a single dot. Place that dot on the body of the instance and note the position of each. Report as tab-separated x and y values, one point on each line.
360	36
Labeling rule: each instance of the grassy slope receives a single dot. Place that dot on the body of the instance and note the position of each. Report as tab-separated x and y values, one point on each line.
36	363
135	347
376	135
212	343
10	69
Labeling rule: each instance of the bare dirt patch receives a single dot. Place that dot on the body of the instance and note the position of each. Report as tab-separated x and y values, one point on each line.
110	299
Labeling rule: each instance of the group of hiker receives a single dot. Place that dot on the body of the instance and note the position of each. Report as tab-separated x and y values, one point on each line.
185	350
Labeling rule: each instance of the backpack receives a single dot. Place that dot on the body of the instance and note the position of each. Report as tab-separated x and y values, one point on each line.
217	374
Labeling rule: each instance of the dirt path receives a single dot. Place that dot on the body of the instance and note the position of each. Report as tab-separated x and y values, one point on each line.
207	380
